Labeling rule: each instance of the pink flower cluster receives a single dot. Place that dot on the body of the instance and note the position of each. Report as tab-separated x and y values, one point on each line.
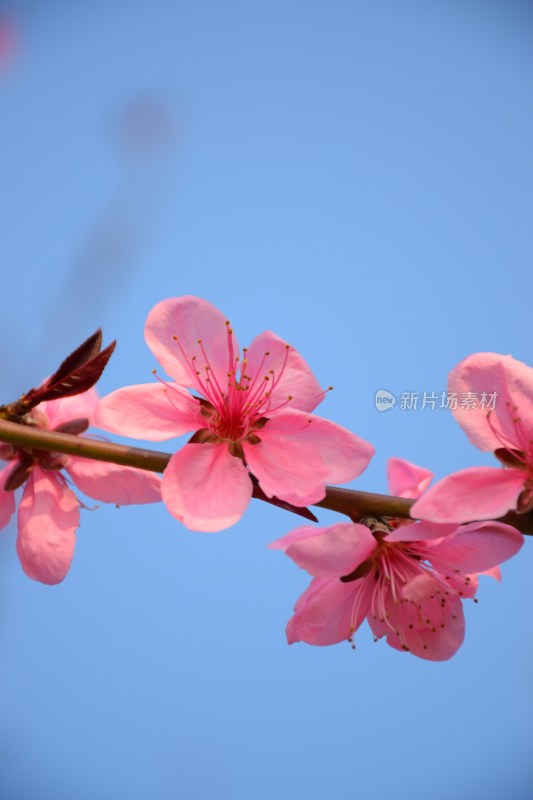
250	416
507	431
408	579
49	511
248	413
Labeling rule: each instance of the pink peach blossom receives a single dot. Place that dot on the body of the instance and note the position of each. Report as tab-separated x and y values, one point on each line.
252	417
507	430
48	513
407	578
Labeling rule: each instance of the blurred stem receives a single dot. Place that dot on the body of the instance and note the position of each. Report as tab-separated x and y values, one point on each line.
353	503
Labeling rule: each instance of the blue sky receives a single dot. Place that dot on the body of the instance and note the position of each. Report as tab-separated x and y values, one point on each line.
355	176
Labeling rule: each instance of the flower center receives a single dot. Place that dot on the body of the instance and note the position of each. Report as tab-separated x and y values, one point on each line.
238	403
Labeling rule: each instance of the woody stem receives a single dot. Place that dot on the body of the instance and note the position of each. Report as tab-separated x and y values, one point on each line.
346	501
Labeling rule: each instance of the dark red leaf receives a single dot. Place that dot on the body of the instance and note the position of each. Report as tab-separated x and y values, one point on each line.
76	382
80	356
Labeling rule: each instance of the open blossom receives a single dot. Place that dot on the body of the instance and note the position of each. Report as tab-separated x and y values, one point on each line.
49	511
407	578
506	430
251	416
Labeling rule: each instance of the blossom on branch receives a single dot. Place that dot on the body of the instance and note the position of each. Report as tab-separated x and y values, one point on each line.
49	511
506	430
250	415
407	578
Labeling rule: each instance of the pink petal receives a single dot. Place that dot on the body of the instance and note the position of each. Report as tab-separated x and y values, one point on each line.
189	318
154	411
495	573
47	520
332	551
429	625
476	547
68	408
112	483
287	468
294	536
513	382
329	611
346	455
406	479
302	453
421	532
471	494
463	585
296	379
205	487
7	499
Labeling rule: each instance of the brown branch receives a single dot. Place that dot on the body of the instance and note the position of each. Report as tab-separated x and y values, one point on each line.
346	501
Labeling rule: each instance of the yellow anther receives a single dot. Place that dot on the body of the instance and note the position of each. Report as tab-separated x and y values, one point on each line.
154	372
175	338
198	341
267	353
226	322
289	397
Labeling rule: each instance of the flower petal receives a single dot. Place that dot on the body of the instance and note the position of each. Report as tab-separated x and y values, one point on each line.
112	483
47	520
430	624
299	453
329	611
291	374
406	479
471	494
154	411
287	468
205	487
421	531
7	499
477	547
511	422
66	409
333	551
189	319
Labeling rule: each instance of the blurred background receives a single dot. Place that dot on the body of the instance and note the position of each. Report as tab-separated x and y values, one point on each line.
357	177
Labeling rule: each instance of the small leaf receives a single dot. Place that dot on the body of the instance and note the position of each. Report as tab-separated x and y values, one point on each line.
80	380
80	356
